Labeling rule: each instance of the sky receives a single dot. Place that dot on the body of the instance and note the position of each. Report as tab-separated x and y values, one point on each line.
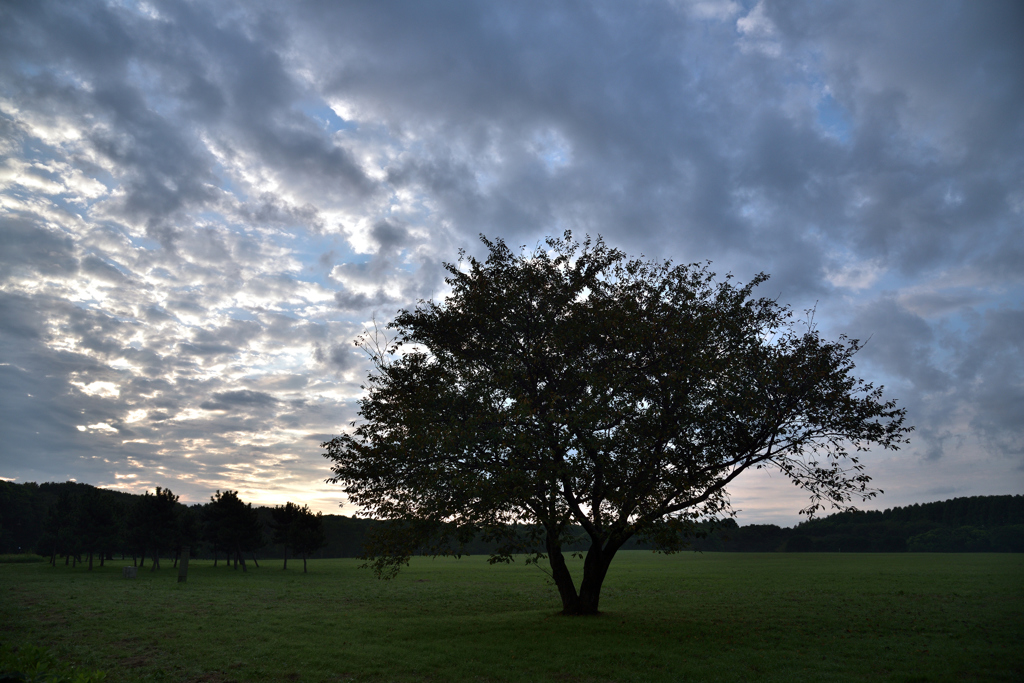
203	203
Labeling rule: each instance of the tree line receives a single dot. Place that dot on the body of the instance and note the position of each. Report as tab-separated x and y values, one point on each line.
78	523
970	524
70	517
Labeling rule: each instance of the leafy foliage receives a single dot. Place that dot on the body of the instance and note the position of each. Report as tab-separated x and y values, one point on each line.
233	525
298	528
573	386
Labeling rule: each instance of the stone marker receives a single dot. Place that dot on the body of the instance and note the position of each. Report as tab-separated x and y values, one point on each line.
129	572
183	566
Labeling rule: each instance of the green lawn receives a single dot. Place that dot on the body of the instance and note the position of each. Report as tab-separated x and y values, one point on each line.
709	617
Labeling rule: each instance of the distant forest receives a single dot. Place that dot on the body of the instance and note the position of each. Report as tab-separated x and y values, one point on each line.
71	520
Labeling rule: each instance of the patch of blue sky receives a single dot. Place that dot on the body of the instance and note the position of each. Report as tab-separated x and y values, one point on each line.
325	116
319	252
552	149
226	183
142	242
70	203
210	217
834	119
238	313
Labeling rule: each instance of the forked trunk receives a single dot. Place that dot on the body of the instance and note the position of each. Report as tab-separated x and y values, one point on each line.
595	569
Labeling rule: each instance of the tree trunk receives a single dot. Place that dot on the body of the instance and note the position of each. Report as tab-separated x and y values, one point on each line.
304	564
183	569
560	573
595	569
254	560
90	560
286	556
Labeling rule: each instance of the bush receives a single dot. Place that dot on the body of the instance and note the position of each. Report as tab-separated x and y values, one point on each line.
30	664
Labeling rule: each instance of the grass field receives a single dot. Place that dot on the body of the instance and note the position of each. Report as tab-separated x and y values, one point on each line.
709	617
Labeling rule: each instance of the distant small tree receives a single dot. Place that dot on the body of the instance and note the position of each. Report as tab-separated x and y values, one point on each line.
235	526
60	535
157	519
188	531
308	536
573	387
298	529
98	523
282	525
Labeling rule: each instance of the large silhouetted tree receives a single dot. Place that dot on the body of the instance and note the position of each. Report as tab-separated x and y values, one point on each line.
575	386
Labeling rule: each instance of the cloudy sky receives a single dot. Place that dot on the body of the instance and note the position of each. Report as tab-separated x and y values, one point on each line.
202	203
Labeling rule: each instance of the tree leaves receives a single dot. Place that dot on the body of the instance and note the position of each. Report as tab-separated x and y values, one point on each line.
574	385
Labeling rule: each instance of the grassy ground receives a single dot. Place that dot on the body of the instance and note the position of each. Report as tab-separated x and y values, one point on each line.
710	617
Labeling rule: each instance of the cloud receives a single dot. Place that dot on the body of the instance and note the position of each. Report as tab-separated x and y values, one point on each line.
202	204
242	399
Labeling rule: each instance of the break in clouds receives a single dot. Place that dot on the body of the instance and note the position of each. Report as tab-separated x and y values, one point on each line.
202	204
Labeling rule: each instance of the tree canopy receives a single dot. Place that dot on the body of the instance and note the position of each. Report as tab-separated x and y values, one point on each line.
233	526
298	528
572	385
